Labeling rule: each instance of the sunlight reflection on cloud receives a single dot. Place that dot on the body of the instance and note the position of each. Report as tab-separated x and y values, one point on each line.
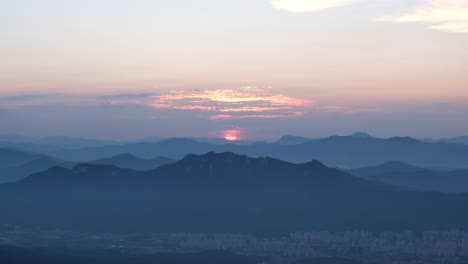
245	102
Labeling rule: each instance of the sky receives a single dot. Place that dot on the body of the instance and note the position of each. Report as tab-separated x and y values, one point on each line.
244	69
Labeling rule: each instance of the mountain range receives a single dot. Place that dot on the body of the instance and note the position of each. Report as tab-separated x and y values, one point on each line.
460	140
48	144
42	144
357	150
16	165
390	167
129	161
223	193
404	175
344	152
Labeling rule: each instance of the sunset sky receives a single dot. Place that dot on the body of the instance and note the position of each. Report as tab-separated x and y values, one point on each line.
257	69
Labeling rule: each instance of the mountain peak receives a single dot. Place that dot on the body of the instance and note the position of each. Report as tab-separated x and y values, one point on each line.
388	167
316	164
234	166
125	156
361	135
291	140
213	157
179	141
405	140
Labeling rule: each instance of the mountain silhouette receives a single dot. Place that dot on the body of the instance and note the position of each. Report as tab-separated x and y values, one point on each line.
344	152
41	163
22	164
222	193
129	161
292	140
388	167
12	157
47	144
459	140
407	176
361	135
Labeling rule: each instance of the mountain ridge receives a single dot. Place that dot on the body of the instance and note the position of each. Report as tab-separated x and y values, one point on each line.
407	176
223	192
340	151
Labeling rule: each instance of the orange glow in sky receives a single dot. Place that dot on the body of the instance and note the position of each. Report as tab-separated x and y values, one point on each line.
241	103
231	135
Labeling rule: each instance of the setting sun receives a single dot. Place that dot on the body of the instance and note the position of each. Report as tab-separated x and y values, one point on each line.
231	135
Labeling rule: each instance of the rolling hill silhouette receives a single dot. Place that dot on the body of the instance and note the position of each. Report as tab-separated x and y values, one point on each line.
28	163
129	161
222	193
387	167
404	175
12	157
344	152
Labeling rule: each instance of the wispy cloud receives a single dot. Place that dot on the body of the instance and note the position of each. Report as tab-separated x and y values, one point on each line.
126	96
242	103
301	6
446	15
18	101
17	98
125	99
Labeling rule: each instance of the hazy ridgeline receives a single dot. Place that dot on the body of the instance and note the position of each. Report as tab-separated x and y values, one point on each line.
166	132
107	193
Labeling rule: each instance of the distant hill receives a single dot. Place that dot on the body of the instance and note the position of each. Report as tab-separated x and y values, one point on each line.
23	170
12	157
221	141
174	148
361	135
292	140
74	143
344	152
129	161
386	168
460	140
50	143
404	175
16	164
27	146
222	193
19	164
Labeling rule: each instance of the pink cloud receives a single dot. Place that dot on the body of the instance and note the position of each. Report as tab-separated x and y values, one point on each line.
245	102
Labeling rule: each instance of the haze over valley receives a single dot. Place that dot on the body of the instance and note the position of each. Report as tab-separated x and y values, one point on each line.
234	132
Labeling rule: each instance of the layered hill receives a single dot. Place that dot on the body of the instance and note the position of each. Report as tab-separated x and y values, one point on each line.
390	167
344	152
20	164
222	193
129	161
407	176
